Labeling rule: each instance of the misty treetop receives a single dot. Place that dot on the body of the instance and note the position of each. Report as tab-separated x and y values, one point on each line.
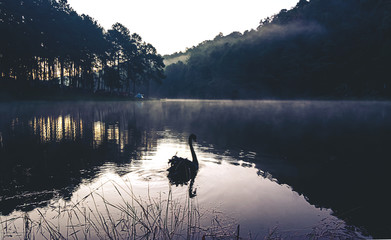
319	48
46	44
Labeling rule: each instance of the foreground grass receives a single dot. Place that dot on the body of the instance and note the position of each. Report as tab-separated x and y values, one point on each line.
95	217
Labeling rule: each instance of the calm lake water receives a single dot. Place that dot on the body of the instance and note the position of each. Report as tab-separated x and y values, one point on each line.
293	167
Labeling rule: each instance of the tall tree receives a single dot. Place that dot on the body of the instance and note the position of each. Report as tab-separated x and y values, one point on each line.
46	43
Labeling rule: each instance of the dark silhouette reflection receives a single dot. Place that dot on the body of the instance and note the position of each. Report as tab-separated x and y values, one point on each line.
336	154
47	151
182	170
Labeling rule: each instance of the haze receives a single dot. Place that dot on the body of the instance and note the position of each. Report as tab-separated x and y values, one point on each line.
174	25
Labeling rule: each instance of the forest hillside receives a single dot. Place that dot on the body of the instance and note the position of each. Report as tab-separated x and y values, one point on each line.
317	49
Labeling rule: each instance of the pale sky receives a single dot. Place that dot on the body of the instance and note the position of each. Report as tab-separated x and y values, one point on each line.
172	25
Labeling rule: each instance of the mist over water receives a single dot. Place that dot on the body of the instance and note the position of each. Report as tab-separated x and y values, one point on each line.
263	164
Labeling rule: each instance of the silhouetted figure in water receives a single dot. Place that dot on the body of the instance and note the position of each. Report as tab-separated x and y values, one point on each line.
182	170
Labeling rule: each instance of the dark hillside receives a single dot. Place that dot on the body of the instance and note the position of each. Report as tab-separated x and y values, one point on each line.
318	49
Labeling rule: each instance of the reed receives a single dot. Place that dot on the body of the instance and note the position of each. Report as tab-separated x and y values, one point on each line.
133	217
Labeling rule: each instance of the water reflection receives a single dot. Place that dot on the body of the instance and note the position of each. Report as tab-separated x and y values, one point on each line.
55	129
47	155
257	156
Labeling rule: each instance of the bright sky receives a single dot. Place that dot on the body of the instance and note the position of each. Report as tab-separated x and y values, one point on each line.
173	25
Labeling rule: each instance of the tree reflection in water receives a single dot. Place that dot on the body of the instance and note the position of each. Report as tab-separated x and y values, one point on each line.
46	155
334	153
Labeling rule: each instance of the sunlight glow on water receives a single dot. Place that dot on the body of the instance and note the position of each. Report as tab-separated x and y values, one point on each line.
221	188
90	157
54	128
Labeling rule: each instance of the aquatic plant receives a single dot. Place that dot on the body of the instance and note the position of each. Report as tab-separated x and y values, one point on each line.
94	217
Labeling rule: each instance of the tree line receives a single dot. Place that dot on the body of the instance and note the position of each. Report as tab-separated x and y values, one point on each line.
45	44
317	49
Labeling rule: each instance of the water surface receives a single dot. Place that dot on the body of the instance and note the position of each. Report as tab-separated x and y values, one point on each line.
291	165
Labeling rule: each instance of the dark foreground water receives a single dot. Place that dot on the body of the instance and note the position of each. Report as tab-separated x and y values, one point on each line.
294	167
